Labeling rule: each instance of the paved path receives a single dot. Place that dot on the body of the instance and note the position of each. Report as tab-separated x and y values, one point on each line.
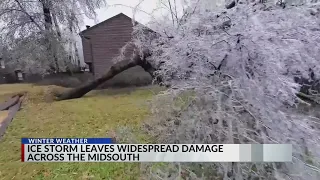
8	110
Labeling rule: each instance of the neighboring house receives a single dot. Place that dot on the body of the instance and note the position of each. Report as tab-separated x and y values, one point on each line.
102	42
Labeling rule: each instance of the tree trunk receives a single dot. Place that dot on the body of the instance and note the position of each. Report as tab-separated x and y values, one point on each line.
117	68
48	33
69	63
56	24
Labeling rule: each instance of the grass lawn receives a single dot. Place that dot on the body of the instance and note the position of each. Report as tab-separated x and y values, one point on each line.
91	116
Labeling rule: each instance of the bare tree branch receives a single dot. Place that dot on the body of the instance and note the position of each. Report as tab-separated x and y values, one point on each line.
30	17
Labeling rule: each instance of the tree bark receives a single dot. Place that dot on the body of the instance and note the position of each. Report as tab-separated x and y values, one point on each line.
117	68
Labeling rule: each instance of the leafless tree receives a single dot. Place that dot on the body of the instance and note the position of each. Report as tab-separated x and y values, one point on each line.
43	21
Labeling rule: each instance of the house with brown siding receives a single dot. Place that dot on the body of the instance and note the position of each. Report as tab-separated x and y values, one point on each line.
102	42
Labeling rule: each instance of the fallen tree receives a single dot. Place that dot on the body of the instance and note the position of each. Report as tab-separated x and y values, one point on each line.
135	60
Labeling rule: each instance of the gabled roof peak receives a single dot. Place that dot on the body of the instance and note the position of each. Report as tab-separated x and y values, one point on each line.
120	14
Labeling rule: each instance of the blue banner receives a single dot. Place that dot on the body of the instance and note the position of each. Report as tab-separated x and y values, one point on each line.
67	141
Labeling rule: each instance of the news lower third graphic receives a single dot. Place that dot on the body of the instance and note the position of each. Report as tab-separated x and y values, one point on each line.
105	150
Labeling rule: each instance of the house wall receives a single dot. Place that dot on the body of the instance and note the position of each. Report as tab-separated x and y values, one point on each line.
106	39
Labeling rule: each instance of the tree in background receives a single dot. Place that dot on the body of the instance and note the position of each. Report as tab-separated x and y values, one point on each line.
38	32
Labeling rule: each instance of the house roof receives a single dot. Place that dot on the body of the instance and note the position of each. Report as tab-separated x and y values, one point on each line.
101	23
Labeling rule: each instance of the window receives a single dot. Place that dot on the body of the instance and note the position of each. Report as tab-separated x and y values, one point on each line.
2	64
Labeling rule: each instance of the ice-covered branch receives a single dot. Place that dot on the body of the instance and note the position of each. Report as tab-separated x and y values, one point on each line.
232	74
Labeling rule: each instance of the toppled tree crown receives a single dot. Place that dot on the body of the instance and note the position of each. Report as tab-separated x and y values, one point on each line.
232	75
